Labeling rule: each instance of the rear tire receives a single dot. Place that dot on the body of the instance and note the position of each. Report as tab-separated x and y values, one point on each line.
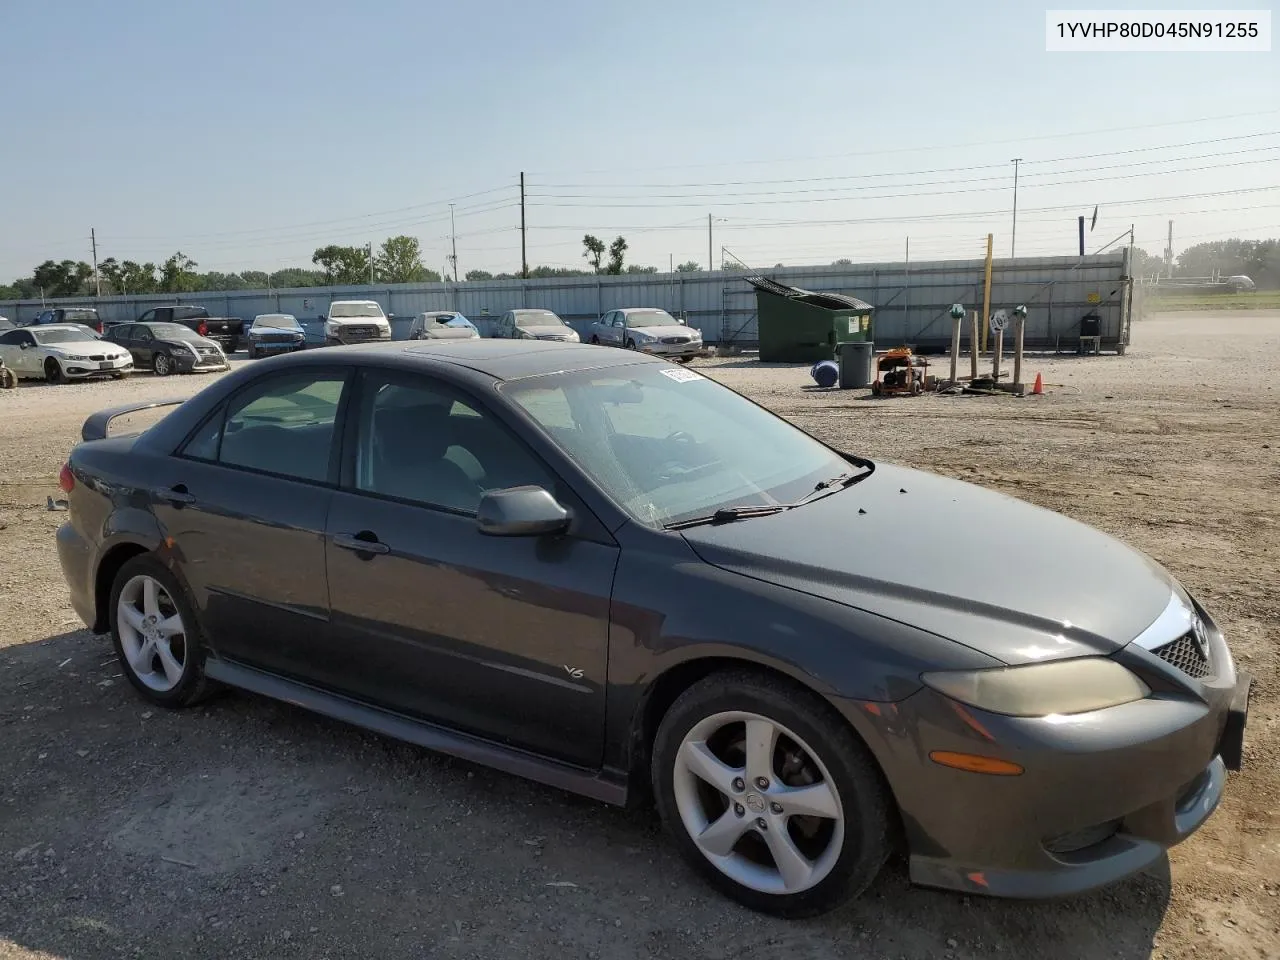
53	371
157	639
743	804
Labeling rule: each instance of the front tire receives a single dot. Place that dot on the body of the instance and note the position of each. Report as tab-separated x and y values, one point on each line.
595	339
53	371
253	352
631	344
156	636
769	794
162	364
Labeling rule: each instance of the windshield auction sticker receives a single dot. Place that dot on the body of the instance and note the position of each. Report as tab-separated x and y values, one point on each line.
681	376
1152	31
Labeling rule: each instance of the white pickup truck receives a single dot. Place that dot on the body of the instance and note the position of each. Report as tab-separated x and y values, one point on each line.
355	321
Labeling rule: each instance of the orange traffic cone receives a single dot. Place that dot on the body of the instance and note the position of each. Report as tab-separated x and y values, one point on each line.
1038	389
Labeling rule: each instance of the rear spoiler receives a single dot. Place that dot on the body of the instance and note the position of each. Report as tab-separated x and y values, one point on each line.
95	428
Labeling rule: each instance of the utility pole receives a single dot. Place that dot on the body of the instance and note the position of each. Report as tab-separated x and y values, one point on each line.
97	280
453	239
1013	242
710	258
370	245
1168	252
524	257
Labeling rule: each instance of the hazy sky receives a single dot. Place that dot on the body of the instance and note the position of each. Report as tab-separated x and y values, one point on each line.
246	134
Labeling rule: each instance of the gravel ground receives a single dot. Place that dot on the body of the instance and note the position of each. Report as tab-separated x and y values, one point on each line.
247	828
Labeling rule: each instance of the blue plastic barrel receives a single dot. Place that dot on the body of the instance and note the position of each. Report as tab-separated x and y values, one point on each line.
825	373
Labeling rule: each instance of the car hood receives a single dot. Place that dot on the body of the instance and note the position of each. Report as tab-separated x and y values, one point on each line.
181	342
996	574
674	330
268	331
547	330
81	348
441	332
359	321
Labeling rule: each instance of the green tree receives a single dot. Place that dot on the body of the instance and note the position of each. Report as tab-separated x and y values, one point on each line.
177	274
298	277
474	275
616	251
635	268
257	279
1145	264
342	266
1257	259
842	262
400	261
689	266
537	272
214	280
68	278
594	251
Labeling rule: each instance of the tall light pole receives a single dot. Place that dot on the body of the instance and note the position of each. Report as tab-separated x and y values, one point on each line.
1013	242
453	237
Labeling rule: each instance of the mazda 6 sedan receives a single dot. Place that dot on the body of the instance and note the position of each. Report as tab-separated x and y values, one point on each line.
608	573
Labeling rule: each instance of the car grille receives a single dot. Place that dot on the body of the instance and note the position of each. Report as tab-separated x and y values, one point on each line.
675	339
553	336
360	333
99	357
1184	653
275	337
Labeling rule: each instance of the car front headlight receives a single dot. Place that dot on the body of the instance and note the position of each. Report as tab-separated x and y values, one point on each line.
1043	689
695	334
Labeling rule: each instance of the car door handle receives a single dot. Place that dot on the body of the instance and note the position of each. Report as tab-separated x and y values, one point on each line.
363	542
177	495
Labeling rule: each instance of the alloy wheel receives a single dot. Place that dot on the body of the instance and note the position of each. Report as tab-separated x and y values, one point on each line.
153	637
758	803
162	364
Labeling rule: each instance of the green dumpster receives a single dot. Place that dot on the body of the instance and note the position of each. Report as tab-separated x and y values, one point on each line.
800	326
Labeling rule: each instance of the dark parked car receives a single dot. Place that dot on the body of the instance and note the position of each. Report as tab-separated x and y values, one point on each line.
275	333
168	348
227	332
85	316
606	572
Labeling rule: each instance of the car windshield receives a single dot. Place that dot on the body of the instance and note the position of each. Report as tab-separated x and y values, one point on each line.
341	310
86	315
172	331
651	318
669	444
276	323
452	320
538	318
44	337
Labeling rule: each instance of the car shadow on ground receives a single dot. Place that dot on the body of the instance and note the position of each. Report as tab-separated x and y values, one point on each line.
248	827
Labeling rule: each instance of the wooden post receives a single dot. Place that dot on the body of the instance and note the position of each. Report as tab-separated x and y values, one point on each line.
986	294
973	347
995	357
1021	321
955	345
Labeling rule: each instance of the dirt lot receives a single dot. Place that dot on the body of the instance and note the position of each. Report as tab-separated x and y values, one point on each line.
247	828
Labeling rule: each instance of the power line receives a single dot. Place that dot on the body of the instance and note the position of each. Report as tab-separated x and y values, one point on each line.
953	147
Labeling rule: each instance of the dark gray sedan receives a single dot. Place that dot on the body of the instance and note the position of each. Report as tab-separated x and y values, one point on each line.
609	573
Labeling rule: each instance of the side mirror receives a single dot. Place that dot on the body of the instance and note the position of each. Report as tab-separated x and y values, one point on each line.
321	316
25	346
391	316
527	511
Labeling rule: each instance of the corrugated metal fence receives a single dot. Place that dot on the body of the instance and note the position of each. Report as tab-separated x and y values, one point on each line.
911	300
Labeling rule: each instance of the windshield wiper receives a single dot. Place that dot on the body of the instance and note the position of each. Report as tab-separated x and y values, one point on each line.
824	487
730	514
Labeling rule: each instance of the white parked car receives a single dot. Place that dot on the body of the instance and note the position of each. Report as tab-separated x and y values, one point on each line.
648	330
442	325
534	325
62	352
355	321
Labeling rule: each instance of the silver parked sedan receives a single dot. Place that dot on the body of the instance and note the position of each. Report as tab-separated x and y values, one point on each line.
648	330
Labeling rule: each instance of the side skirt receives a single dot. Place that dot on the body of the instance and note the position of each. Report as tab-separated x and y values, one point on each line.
590	783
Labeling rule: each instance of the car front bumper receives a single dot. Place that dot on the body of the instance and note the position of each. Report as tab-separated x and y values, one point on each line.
691	349
277	346
83	369
1102	795
189	364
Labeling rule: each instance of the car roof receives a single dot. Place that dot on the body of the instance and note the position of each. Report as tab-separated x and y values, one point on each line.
374	302
496	358
643	310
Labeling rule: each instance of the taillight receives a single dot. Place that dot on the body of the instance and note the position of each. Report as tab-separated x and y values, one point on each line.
203	329
66	479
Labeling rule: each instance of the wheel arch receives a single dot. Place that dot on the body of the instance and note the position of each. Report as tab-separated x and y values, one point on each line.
667	686
104	577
